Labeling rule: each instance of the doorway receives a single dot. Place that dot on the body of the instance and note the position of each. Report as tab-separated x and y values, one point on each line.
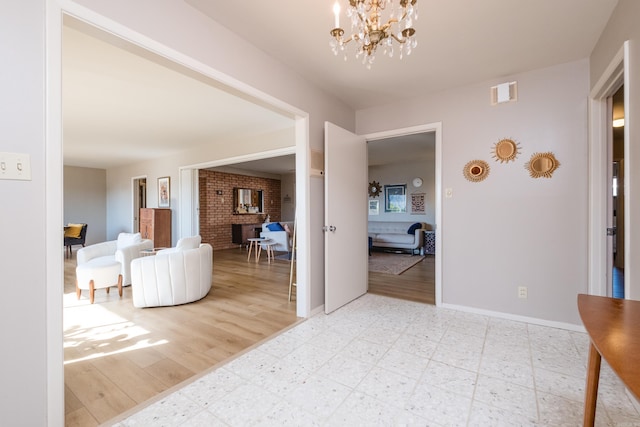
139	200
616	202
408	160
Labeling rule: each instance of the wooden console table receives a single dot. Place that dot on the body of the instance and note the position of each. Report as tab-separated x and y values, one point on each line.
613	326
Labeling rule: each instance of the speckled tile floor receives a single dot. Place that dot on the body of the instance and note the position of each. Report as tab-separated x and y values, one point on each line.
384	362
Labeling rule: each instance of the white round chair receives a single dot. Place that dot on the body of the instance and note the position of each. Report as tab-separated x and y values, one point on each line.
98	273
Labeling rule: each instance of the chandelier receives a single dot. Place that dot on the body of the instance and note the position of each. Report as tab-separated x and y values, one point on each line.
370	32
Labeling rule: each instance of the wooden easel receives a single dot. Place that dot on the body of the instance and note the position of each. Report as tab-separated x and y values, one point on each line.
293	257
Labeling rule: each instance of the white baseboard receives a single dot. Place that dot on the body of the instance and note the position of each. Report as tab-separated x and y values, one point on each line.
319	309
515	317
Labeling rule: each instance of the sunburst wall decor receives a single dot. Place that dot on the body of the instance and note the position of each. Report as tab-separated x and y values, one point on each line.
506	150
542	165
476	170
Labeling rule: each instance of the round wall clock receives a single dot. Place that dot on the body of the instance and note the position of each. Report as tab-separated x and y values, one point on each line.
417	182
374	189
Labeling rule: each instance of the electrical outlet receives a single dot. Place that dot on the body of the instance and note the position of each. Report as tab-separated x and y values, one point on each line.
522	291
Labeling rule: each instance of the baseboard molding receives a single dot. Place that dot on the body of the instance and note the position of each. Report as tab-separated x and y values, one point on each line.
319	309
515	317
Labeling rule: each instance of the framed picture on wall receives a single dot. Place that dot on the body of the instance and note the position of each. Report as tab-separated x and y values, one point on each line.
164	192
395	198
374	207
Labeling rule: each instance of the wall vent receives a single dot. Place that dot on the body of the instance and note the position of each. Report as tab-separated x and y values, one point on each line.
505	92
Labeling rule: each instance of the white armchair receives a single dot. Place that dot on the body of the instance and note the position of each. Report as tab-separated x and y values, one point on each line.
125	249
173	276
281	237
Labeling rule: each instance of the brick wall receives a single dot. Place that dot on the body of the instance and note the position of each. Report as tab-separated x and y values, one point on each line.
216	210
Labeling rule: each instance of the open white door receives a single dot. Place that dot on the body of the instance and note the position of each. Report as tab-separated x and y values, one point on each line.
345	203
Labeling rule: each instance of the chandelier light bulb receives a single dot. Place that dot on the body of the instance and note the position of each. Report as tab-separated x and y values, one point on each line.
369	29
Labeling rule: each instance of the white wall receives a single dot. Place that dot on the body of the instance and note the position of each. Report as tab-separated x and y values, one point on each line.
85	200
622	26
404	174
510	230
23	327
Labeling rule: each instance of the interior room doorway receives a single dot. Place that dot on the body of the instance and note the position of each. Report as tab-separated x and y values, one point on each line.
139	189
408	161
616	200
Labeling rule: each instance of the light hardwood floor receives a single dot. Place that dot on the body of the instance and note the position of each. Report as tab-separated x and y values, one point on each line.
415	284
117	356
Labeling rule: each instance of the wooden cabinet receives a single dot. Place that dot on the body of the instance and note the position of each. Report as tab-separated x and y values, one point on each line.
155	224
241	232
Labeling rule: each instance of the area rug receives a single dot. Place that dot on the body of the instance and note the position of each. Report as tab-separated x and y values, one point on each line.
382	262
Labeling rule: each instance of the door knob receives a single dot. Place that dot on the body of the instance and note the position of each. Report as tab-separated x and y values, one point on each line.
328	228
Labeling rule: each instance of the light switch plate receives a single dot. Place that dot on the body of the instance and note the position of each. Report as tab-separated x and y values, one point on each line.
448	193
16	166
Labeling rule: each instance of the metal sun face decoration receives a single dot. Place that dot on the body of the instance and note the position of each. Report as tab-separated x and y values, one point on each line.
506	150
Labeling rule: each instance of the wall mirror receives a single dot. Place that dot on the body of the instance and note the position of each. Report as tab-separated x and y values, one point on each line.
542	165
247	201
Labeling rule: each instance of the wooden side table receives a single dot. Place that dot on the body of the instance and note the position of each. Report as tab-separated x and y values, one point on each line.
255	244
613	326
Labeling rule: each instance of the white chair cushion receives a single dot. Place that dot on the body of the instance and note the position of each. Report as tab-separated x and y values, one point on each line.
128	239
189	243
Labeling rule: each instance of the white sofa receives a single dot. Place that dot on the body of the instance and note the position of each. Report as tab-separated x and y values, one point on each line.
392	234
173	276
124	249
283	239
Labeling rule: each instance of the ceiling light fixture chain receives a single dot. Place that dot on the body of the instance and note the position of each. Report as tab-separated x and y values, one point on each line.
369	32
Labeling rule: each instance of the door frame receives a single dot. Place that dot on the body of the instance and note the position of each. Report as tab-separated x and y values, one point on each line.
135	194
439	225
55	12
615	75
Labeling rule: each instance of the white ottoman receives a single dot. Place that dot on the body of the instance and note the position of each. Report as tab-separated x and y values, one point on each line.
98	273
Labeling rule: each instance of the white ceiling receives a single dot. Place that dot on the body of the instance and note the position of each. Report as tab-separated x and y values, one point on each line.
120	107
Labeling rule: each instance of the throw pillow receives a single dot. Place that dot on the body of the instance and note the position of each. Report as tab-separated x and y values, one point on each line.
413	228
275	226
73	231
127	239
189	243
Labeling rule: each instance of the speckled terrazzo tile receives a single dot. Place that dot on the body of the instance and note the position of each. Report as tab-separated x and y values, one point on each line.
418	346
319	396
403	363
463	341
362	410
212	386
365	351
204	419
512	370
439	406
450	378
286	414
508	396
345	370
244	405
558	384
388	386
281	345
483	415
173	410
560	363
330	340
461	358
280	378
309	357
250	364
